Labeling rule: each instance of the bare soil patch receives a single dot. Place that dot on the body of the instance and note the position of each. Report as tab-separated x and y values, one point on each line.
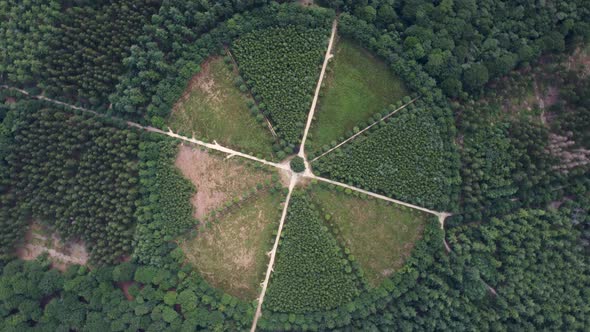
125	285
201	81
38	240
217	179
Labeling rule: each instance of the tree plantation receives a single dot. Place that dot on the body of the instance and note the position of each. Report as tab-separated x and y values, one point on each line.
254	165
404	158
311	273
76	173
280	67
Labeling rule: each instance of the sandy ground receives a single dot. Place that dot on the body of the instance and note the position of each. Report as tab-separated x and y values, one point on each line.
217	180
38	240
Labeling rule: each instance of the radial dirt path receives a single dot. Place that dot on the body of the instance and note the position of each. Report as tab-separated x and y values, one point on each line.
440	215
231	153
327	58
273	252
362	131
215	146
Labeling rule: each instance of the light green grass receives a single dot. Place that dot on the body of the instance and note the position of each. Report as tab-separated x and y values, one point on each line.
379	234
358	86
214	108
231	254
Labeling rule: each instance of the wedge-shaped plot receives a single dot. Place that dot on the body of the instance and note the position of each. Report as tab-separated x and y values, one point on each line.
281	67
379	234
311	272
406	158
214	108
218	180
358	86
231	253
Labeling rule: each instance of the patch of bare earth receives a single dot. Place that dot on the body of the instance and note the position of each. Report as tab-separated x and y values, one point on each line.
39	240
217	180
580	61
124	286
202	81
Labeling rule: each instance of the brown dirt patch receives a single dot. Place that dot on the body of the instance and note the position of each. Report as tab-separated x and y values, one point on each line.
39	240
217	179
202	81
580	61
125	285
10	100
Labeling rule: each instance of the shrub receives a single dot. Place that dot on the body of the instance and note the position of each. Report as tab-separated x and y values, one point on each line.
297	164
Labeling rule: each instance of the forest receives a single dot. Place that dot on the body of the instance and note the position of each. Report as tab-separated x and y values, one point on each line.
497	137
280	67
403	157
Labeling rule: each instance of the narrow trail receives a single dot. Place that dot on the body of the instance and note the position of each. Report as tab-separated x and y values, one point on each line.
440	215
231	153
215	146
362	131
327	58
273	252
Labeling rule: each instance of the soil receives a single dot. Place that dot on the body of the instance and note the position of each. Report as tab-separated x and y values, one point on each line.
200	81
580	60
124	285
217	180
39	240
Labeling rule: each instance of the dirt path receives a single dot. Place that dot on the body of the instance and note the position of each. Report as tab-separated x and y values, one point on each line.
232	153
440	215
215	146
362	131
272	253
327	58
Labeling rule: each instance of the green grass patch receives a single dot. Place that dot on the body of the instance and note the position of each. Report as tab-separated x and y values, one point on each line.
215	109
231	253
358	86
380	235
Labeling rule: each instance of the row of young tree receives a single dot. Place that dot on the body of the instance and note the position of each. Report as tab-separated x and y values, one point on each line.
312	273
280	66
406	157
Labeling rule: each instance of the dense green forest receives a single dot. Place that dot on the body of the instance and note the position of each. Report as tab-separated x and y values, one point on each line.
463	44
304	282
281	67
498	136
155	299
404	157
70	50
77	174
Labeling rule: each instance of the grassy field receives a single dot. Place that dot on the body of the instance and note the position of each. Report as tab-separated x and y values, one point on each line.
358	86
231	254
379	234
214	108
